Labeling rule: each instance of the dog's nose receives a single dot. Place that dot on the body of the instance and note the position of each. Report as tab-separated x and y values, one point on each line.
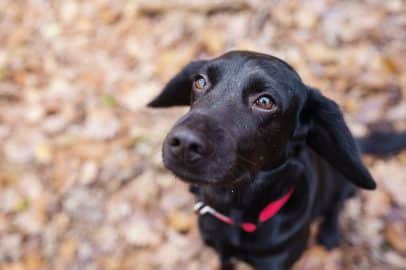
187	145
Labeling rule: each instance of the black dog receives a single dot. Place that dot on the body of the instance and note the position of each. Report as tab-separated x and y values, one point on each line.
265	155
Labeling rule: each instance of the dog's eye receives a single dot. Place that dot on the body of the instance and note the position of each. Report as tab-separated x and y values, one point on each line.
264	102
200	83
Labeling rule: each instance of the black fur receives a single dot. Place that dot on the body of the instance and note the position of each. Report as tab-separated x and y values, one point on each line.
238	157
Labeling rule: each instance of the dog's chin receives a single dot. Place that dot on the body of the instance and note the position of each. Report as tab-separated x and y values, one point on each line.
185	175
226	181
221	183
190	178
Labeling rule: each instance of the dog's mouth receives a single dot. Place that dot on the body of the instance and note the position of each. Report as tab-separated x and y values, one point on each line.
230	179
191	178
226	183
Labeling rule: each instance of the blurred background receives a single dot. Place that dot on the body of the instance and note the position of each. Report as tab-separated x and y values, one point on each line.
82	185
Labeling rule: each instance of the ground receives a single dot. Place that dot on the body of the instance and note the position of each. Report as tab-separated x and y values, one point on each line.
82	184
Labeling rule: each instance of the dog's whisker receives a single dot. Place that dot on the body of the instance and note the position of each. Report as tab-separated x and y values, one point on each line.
247	160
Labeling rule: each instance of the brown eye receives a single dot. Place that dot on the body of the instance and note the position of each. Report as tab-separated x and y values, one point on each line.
264	102
200	83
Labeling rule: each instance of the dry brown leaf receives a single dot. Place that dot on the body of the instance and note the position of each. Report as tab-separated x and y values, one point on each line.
171	61
396	236
377	203
181	221
213	41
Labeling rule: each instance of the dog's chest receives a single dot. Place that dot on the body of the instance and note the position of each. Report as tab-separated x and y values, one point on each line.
220	235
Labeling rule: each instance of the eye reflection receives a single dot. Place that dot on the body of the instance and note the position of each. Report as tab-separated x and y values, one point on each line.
200	83
264	102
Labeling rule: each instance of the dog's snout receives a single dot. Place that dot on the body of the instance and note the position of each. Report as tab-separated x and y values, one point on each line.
186	145
198	149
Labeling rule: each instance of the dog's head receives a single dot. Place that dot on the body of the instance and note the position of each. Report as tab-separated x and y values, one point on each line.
245	108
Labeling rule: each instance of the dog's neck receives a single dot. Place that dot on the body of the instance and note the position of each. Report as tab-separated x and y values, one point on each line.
254	193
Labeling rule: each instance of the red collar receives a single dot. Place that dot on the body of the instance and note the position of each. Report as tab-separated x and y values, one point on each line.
267	213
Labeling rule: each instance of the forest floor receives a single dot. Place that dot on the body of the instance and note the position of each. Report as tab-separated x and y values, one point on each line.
82	185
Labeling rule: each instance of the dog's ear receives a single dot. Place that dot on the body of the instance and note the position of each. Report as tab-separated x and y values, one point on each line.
178	90
330	137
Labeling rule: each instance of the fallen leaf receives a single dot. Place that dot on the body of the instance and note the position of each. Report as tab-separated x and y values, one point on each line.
396	236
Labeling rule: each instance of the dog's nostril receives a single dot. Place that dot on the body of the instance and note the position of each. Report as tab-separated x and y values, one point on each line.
187	146
174	142
195	147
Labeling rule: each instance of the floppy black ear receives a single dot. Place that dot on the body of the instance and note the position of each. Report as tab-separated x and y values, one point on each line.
177	91
330	137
